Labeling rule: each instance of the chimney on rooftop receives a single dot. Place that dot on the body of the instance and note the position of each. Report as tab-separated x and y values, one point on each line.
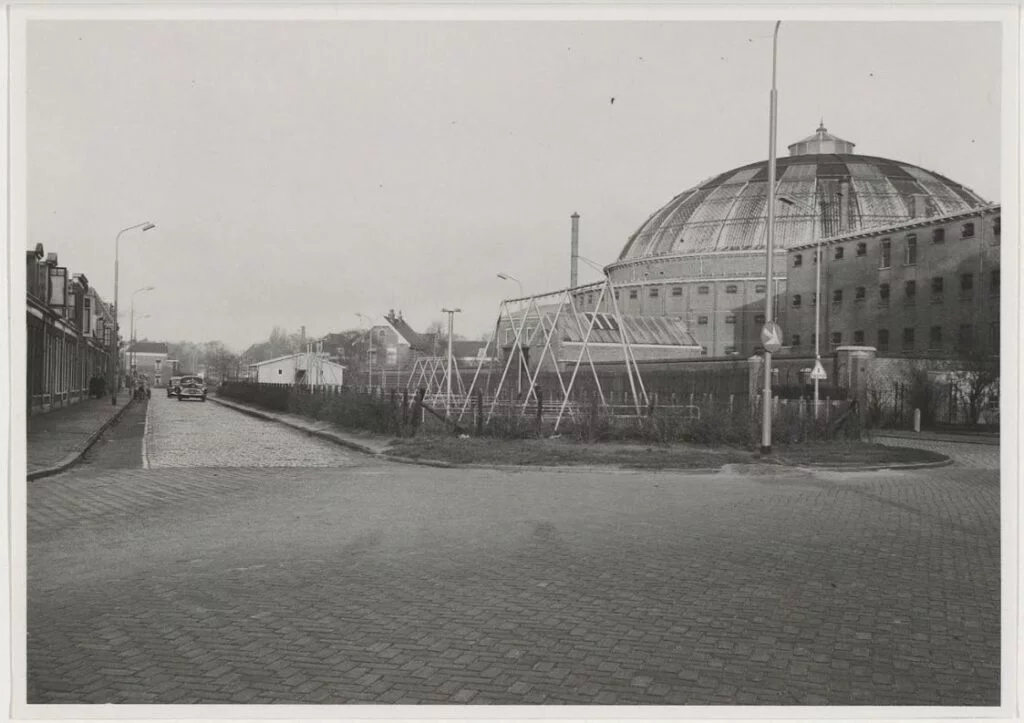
574	261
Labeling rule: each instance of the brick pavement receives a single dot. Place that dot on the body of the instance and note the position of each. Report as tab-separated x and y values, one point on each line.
54	436
393	584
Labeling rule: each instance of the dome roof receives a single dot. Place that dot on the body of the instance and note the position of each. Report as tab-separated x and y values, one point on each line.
823	189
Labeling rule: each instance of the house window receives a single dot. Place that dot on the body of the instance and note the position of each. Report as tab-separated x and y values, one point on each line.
883	340
910	250
994	283
935	337
703	289
885	254
837	338
798	259
814	338
677	291
837	296
702	321
862	249
280	372
730	319
731	289
839	253
653	293
910	291
814	298
796	340
760	289
908	338
759	319
796	299
703	351
861	293
938	235
632	293
883	293
937	283
966	284
858	338
967	230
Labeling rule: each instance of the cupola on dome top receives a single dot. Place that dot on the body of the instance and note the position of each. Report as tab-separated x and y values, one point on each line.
821	142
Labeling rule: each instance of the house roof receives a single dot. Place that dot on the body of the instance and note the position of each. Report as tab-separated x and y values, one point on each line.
148	347
301	358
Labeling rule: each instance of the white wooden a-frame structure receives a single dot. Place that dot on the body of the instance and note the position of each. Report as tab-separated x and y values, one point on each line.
534	321
430	373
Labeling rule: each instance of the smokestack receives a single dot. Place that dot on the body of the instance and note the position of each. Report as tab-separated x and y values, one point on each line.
574	262
302	334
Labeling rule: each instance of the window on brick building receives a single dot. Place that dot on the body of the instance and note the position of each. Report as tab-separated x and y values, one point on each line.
814	298
908	338
858	338
861	293
796	299
702	321
910	291
616	293
760	289
633	294
730	349
935	337
653	293
703	351
796	340
965	337
885	254
883	340
677	291
814	338
837	296
910	250
730	319
967	230
839	253
759	319
703	289
966	284
798	259
938	235
837	338
862	249
883	293
937	284
731	289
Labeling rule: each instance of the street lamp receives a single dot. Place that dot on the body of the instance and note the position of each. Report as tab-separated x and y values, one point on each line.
766	411
115	356
510	277
451	327
817	298
132	335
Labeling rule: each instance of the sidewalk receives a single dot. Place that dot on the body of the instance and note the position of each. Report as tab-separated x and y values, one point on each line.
58	439
361	442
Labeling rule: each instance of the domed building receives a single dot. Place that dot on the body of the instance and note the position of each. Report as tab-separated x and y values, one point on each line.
700	258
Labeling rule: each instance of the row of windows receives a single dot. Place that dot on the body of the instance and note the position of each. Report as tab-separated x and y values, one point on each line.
731	319
965	337
910	289
909	249
704	289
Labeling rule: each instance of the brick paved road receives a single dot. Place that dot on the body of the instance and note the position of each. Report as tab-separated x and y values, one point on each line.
394	584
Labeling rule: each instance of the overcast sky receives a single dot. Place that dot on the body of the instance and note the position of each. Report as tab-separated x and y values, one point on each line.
300	172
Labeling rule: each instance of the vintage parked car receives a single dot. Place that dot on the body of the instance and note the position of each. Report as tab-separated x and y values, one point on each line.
191	388
172	386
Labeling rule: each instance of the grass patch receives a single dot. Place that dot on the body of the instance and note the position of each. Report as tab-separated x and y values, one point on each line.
567	452
839	453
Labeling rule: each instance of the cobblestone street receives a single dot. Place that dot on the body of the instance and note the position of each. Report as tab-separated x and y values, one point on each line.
335	578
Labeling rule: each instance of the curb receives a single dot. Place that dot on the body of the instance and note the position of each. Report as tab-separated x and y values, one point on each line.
896	466
321	433
74	457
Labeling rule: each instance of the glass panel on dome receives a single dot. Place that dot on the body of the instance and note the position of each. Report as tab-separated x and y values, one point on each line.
878	202
799	172
944	195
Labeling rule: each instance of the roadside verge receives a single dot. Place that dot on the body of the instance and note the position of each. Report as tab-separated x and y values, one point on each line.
73	457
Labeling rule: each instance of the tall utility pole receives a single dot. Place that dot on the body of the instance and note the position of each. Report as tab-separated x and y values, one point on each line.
116	355
766	404
575	254
451	328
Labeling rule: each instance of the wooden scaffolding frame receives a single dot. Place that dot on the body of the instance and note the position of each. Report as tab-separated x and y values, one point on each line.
546	310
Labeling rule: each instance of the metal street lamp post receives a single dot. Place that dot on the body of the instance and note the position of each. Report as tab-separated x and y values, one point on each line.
369	348
131	360
510	277
766	404
519	356
115	357
817	299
